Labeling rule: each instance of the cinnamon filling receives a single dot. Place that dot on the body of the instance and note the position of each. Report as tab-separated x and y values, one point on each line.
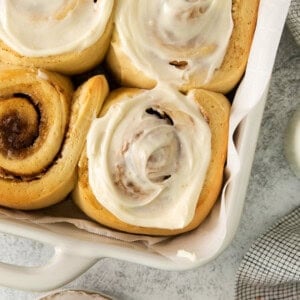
179	64
19	126
127	186
160	114
16	133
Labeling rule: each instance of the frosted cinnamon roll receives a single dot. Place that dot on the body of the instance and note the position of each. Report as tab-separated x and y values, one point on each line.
42	133
187	43
68	36
154	160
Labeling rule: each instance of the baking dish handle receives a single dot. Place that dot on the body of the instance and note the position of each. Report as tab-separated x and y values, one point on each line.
61	269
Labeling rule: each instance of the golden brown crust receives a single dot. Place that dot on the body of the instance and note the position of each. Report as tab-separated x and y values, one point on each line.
32	176
70	63
244	13
122	68
216	108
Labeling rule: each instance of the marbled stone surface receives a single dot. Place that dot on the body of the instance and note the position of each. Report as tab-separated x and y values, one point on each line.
273	192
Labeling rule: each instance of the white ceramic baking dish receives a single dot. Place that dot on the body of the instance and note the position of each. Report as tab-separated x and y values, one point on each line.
76	250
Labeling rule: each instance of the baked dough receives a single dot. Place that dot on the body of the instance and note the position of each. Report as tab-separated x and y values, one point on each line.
42	133
215	109
82	58
127	72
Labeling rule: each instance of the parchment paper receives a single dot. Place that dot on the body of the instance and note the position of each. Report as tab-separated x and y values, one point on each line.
209	236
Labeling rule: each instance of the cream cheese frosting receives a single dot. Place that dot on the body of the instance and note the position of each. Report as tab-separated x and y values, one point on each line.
171	40
36	28
148	157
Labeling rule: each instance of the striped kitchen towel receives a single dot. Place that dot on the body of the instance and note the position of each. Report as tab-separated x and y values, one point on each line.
271	268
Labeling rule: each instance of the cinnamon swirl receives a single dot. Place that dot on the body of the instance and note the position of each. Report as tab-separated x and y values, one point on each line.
154	160
42	133
66	36
190	44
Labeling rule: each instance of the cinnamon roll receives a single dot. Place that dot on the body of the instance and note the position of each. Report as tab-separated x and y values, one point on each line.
42	133
187	43
154	160
66	36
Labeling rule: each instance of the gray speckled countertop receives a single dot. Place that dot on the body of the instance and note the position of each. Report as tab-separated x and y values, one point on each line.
273	192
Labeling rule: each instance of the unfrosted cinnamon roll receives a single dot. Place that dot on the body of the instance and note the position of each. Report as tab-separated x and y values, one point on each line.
154	160
189	43
68	36
42	133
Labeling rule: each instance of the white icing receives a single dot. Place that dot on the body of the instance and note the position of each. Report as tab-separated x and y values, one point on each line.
42	28
144	169
157	32
42	75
